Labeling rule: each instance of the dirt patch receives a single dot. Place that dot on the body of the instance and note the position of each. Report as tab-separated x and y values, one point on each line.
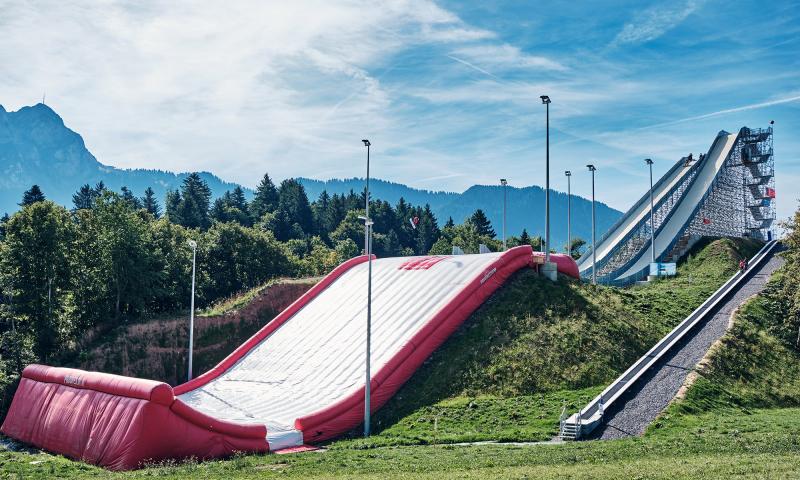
157	349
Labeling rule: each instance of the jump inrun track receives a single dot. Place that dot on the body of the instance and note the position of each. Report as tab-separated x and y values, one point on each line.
300	379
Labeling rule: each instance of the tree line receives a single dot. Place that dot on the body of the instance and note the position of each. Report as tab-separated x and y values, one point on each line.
115	257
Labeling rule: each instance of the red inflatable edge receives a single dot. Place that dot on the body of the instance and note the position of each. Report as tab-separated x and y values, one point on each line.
267	330
346	413
151	390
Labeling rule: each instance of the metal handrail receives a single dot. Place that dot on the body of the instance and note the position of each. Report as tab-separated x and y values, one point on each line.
619	386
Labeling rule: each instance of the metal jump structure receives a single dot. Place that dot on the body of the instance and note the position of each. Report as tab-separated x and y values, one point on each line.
727	192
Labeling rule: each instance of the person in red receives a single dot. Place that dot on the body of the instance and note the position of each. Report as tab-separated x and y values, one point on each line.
742	265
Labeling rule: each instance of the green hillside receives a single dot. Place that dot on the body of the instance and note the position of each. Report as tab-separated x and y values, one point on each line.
732	423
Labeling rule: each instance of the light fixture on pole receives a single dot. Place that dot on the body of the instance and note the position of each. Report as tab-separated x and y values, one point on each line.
193	245
504	183
546	102
594	250
649	163
568	174
368	252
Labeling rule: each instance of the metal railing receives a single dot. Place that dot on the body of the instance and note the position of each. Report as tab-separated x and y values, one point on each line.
591	415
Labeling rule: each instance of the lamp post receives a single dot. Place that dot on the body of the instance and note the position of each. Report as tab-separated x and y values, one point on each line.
504	183
594	250
368	252
546	102
568	174
649	163
192	244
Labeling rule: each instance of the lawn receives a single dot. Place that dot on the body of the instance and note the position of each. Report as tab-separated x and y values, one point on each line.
725	444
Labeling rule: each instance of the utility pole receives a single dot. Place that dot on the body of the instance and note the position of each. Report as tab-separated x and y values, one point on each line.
594	245
368	252
504	183
192	244
649	163
569	213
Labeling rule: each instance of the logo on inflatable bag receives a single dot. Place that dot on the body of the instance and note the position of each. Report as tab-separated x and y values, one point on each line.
76	380
488	275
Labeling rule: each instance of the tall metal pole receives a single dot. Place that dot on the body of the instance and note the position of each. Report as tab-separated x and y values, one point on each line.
368	251
652	217
546	101
594	245
192	244
569	213
504	183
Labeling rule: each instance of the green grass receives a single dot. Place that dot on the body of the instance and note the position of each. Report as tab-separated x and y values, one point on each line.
533	348
763	444
537	340
240	300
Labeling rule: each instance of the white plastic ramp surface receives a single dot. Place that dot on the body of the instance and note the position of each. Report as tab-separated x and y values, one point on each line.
316	358
639	212
687	207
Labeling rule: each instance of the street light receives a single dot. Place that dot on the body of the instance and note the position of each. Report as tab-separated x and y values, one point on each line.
546	102
569	213
504	183
594	250
649	163
193	245
368	252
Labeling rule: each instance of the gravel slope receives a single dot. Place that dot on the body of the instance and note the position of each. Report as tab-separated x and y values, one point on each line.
657	387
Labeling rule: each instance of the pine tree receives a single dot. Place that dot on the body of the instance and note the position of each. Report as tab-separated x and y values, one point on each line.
173	206
265	200
130	198
450	223
150	203
195	202
84	198
294	202
525	238
32	196
482	224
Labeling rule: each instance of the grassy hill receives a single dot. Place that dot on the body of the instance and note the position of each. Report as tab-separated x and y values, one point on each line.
533	347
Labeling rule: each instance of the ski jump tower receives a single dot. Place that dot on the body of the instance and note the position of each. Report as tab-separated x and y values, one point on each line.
727	192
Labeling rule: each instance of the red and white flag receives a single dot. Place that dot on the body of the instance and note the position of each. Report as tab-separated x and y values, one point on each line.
770	192
414	221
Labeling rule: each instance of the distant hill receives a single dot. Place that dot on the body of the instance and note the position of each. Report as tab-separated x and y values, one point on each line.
525	206
37	148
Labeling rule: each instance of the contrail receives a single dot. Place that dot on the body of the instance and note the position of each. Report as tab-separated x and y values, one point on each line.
474	67
726	111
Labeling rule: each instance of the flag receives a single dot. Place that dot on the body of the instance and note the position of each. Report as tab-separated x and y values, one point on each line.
770	192
706	221
414	221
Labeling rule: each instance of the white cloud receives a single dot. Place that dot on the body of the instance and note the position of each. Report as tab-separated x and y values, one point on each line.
235	88
656	21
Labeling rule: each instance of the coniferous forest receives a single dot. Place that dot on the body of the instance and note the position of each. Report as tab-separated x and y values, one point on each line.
117	257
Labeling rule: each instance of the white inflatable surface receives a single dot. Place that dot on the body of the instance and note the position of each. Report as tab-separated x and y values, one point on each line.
318	355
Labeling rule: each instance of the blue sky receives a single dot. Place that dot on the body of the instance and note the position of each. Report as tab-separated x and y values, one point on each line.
448	92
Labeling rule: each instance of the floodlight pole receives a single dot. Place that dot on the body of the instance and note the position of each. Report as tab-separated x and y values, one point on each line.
504	183
594	245
652	217
569	213
192	244
546	102
368	252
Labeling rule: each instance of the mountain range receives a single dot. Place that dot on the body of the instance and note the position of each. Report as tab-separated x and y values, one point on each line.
36	147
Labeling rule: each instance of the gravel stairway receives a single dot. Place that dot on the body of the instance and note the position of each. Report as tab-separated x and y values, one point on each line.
656	388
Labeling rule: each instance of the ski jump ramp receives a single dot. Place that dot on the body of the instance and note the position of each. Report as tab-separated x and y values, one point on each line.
300	379
728	191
